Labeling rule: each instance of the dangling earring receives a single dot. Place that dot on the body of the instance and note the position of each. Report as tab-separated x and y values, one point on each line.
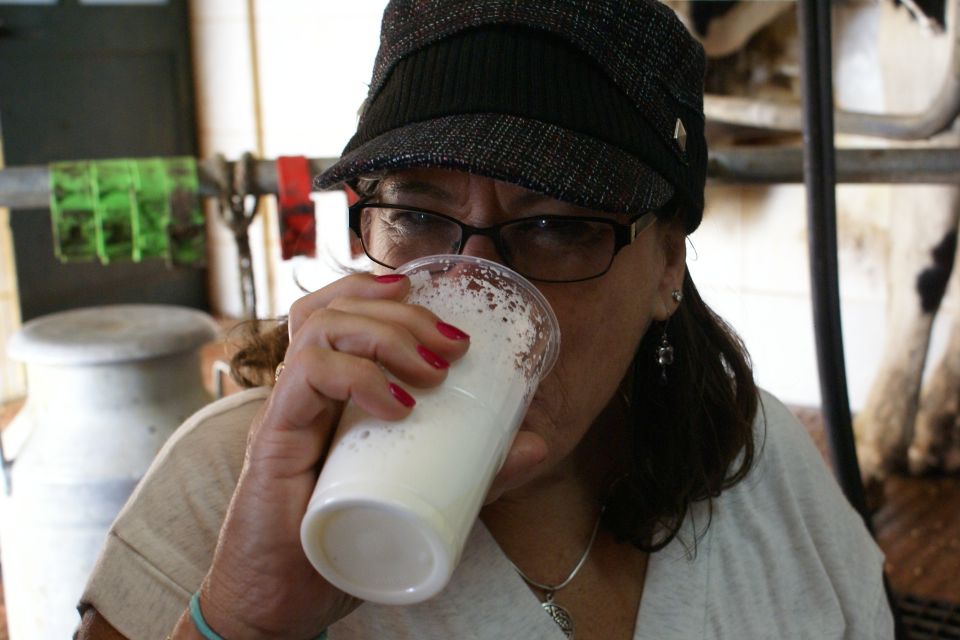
664	355
665	349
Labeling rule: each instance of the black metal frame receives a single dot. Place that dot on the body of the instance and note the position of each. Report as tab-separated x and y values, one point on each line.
820	180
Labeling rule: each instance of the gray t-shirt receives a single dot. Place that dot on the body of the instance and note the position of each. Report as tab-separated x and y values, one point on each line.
784	556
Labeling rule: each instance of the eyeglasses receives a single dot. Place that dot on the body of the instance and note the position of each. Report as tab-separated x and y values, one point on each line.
548	248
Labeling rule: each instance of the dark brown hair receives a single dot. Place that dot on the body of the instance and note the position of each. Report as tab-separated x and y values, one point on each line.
262	348
692	432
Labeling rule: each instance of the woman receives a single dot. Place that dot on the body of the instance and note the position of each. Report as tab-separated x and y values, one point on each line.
652	491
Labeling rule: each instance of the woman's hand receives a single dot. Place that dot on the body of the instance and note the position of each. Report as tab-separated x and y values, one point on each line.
260	583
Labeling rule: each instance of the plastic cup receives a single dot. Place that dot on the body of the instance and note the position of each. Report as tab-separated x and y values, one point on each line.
395	501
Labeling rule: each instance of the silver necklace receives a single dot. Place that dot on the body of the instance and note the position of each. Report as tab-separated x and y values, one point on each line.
560	615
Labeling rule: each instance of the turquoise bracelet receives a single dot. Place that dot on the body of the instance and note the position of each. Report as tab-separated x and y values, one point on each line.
197	616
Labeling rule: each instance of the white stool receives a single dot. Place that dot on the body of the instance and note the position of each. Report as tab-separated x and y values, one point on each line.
106	388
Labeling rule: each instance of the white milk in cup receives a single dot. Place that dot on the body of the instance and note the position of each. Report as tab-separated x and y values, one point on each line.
395	501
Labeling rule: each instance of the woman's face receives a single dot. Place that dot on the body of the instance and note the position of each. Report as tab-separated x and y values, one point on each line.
601	320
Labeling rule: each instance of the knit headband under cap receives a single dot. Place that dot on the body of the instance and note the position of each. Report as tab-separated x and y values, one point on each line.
595	102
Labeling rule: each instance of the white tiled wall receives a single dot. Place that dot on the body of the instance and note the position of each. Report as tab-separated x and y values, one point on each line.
751	264
749	257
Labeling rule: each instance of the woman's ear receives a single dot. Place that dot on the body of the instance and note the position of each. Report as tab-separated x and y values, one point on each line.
673	244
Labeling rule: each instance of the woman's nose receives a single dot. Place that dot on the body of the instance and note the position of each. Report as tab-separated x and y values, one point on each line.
482	247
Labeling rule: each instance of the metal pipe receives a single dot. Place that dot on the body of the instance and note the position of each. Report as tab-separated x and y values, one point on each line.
941	113
730	32
757	165
752	112
814	20
29	187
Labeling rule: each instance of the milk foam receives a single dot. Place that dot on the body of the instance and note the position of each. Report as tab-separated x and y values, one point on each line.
505	328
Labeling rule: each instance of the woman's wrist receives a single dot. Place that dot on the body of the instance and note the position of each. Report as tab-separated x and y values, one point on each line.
222	625
199	622
223	622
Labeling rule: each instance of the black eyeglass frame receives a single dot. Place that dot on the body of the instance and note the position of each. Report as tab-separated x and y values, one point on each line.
623	233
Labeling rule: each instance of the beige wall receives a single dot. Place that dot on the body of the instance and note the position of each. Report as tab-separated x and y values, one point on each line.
280	77
11	373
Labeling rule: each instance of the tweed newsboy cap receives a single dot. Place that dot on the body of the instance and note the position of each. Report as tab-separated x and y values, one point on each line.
594	102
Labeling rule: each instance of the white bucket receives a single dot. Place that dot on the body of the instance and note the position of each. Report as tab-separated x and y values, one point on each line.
106	388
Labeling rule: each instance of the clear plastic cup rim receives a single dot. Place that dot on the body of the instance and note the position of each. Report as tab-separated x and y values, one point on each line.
451	259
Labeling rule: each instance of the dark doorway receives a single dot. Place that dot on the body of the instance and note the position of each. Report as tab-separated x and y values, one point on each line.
91	80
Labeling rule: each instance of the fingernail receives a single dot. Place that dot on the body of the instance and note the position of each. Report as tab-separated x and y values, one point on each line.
451	331
402	396
390	277
432	359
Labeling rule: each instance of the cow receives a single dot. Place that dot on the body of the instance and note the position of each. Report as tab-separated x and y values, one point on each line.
754	54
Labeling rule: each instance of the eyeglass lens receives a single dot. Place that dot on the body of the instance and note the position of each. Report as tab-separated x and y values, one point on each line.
543	248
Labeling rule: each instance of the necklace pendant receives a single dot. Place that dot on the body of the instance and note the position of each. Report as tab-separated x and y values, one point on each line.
560	615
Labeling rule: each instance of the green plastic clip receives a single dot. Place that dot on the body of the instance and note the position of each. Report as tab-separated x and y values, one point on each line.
127	209
153	209
73	209
116	208
186	231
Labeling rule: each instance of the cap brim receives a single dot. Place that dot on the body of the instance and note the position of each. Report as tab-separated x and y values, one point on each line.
535	155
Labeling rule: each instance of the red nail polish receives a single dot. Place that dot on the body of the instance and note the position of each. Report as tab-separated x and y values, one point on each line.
390	277
432	359
451	331
402	396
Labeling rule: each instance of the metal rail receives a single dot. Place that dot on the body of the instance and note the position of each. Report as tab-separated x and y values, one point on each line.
941	113
28	187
